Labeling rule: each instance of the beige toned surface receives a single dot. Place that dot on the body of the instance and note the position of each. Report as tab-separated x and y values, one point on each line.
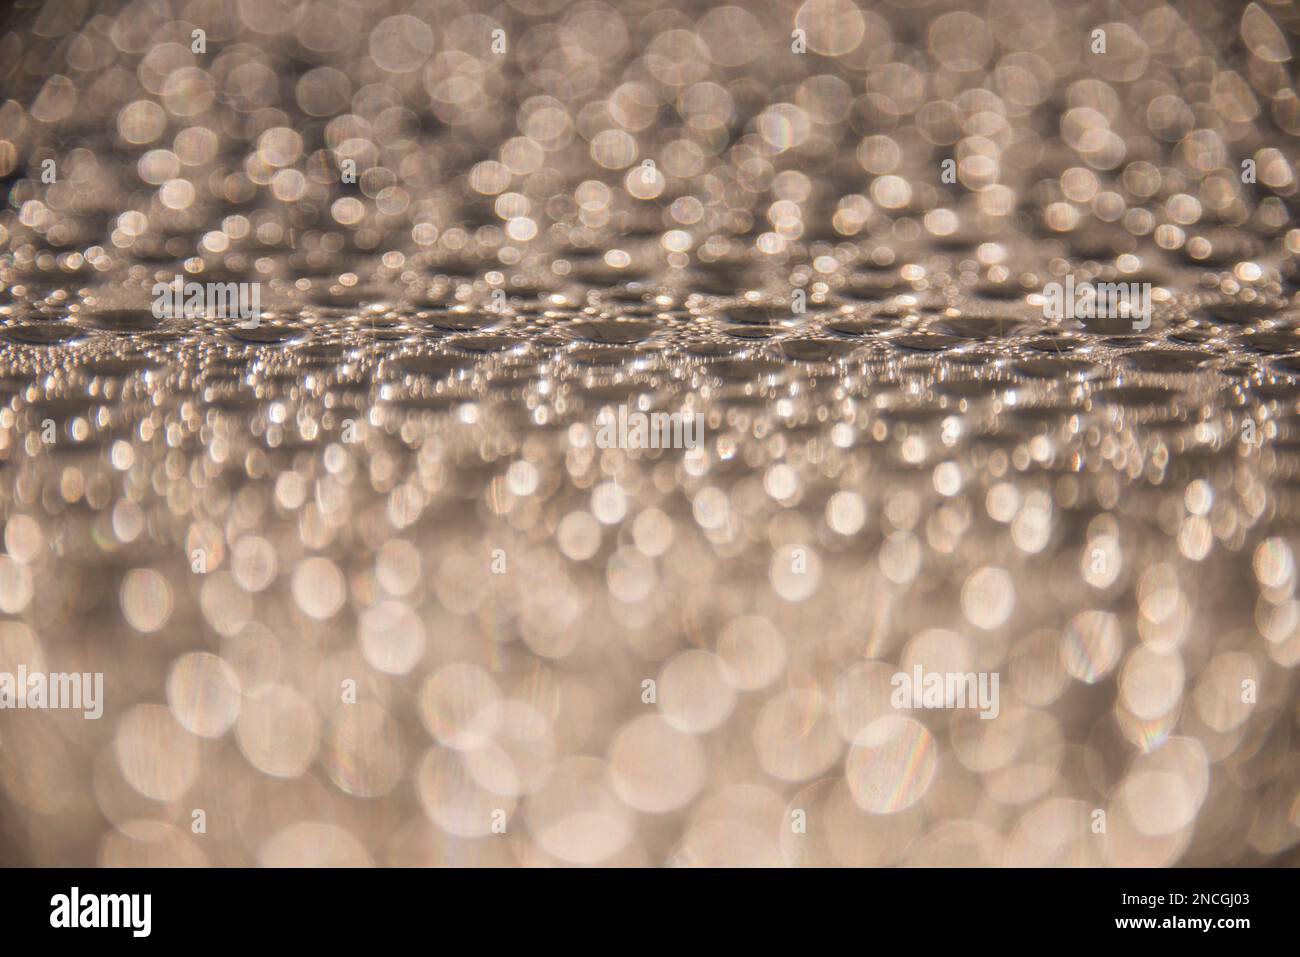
392	485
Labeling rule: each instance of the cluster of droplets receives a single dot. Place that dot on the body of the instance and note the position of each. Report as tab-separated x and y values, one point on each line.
364	582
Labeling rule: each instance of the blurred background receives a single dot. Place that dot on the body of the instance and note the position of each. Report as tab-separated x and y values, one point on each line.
366	589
